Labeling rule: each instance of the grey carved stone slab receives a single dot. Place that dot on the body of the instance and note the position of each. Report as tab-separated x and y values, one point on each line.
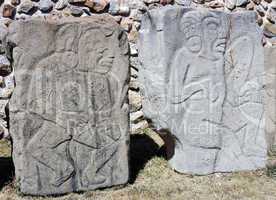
270	97
69	110
202	81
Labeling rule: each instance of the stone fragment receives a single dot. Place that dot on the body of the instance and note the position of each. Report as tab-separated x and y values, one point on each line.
270	97
165	2
216	4
126	24
138	127
230	4
76	11
15	2
135	101
199	1
133	84
100	5
76	1
242	2
26	7
69	110
269	26
8	11
183	2
5	66
135	117
151	1
7	87
61	4
271	15
117	8
202	81
45	5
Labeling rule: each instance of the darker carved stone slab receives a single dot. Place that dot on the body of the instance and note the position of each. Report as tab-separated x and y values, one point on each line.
69	110
202	79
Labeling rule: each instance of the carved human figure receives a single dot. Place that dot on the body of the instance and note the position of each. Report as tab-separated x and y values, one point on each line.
197	88
56	142
103	132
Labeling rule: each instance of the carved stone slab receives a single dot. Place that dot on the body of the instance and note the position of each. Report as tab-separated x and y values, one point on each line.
69	111
202	76
270	97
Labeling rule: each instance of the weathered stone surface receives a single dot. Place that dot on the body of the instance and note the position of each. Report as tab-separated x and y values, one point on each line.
270	97
202	76
69	110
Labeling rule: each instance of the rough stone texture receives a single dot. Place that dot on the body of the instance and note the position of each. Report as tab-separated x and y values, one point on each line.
69	110
203	83
270	97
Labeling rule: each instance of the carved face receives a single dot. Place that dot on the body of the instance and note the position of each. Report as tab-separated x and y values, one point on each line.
66	38
204	35
100	56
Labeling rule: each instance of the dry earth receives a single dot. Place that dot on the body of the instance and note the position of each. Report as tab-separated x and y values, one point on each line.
151	178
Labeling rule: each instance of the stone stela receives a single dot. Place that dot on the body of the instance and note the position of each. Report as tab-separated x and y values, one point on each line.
69	110
202	80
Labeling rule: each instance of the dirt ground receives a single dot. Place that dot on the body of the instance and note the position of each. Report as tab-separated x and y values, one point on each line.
151	178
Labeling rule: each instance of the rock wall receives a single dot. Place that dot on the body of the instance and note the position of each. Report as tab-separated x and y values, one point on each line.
128	14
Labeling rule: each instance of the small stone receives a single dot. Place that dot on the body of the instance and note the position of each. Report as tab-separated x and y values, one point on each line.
61	4
76	1
45	6
135	63
260	10
115	8
137	25
76	11
250	6
240	3
271	15
5	66
100	5
7	87
183	2
133	49
151	1
215	4
135	101
26	7
137	4
259	20
97	5
136	116
199	1
133	84
230	4
133	72
8	11
15	2
273	4
4	132
269	26
165	2
257	1
136	128
126	24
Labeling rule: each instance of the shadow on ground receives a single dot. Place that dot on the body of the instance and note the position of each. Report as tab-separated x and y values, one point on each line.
6	164
142	149
6	171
